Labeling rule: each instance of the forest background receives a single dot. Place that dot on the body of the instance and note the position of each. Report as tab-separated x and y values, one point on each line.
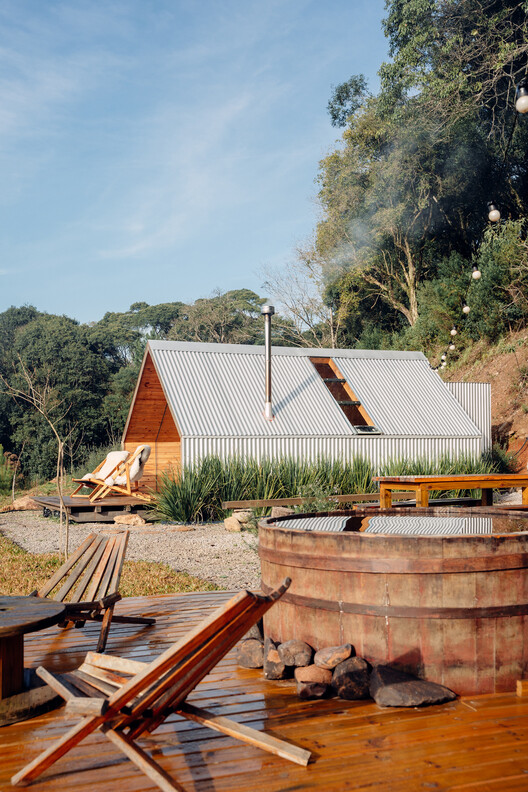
403	252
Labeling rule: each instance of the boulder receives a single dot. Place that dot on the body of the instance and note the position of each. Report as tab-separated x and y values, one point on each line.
250	653
295	653
274	668
281	511
243	516
255	632
390	687
232	524
25	503
351	679
129	519
311	690
312	673
333	655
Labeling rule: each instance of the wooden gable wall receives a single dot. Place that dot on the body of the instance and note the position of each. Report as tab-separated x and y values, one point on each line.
151	422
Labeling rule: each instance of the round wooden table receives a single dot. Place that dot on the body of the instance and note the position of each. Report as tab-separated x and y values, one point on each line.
18	616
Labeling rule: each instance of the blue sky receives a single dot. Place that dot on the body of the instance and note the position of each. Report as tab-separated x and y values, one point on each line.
157	150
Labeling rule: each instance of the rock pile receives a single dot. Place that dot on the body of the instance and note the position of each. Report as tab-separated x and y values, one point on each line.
336	671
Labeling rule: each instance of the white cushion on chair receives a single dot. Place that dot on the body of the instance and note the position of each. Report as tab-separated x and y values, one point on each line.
136	469
113	459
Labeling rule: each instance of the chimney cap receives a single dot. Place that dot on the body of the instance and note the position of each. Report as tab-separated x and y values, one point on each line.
267	310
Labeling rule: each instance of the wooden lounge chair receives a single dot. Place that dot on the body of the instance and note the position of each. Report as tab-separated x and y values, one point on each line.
101	472
127	699
89	580
124	479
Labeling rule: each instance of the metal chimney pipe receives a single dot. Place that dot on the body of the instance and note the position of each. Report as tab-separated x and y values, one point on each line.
267	311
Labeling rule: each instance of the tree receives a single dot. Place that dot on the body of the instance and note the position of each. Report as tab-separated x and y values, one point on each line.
410	182
46	401
232	317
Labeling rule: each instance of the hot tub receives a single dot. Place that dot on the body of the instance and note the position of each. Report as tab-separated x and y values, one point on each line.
442	593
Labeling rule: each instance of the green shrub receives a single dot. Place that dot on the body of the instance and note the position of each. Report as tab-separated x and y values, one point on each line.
197	495
6	474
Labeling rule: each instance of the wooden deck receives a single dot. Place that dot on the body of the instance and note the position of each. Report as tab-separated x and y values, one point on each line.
81	510
477	744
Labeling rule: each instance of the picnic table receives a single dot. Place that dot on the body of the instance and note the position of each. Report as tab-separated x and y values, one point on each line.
422	486
19	616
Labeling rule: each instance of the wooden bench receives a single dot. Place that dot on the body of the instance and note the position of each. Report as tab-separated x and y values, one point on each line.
422	486
88	582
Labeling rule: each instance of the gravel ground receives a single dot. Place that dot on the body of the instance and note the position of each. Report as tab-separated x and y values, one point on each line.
207	551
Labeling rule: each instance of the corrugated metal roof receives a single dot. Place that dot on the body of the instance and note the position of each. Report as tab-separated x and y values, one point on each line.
217	390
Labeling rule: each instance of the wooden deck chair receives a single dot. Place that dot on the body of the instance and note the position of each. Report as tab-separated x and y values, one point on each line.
126	699
101	472
88	584
124	479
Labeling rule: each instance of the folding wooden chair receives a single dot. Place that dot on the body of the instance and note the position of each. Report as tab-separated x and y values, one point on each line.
125	699
105	469
125	478
88	584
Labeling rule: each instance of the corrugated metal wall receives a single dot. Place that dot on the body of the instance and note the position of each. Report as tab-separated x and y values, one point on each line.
378	449
475	398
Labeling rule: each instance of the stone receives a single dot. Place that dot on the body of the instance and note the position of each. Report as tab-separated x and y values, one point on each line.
333	655
351	679
281	511
243	516
295	653
255	632
313	673
274	668
390	687
311	690
129	519
232	524
25	503
250	653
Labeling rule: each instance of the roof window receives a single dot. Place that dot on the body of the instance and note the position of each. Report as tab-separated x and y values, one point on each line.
344	395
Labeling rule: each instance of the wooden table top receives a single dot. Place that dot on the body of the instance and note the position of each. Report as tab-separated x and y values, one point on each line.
509	479
20	615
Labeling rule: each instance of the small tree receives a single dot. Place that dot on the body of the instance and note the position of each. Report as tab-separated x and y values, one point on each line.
45	400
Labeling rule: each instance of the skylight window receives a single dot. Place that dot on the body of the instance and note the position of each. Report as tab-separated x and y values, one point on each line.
344	395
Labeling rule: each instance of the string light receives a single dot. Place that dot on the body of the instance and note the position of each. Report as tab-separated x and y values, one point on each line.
451	347
493	212
453	331
466	309
521	94
476	274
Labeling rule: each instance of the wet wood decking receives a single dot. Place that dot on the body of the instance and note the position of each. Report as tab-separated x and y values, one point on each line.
475	744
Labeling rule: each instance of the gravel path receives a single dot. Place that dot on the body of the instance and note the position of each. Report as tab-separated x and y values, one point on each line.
207	551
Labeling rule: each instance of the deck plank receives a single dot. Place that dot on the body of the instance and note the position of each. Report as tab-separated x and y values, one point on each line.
477	743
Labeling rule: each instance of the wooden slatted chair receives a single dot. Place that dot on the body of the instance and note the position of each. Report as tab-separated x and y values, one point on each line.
105	469
125	478
88	584
126	699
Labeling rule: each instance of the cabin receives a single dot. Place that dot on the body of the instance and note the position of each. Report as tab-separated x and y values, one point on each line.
192	400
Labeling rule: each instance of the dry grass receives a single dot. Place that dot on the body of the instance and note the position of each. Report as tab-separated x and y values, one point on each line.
22	572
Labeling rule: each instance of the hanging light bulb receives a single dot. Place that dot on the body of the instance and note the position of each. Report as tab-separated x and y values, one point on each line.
493	212
476	273
453	331
451	347
521	97
443	356
443	365
466	309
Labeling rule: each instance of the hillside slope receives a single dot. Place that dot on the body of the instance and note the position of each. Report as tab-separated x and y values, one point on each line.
505	366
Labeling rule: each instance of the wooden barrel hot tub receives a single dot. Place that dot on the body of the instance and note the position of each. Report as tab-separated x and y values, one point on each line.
450	608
